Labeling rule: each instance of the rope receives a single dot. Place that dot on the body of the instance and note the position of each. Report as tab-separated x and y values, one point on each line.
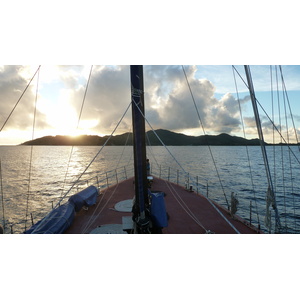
31	149
214	162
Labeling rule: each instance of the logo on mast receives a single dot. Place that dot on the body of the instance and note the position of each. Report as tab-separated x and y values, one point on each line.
136	92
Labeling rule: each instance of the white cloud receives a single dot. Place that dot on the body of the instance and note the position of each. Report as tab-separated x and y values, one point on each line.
168	99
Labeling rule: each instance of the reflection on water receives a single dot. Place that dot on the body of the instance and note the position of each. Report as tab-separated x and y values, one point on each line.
48	180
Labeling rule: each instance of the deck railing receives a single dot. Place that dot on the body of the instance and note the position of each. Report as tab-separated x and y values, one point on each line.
106	179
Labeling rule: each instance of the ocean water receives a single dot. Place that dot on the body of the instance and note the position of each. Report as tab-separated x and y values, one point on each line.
30	190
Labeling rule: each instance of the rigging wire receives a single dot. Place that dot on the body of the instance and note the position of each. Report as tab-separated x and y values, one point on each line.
289	156
20	98
161	141
78	179
185	171
78	122
200	120
31	149
2	199
184	206
268	217
91	219
123	150
291	114
288	140
271	195
273	124
281	146
247	150
87	167
286	99
273	129
94	216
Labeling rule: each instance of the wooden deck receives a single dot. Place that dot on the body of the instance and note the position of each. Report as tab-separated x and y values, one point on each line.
189	213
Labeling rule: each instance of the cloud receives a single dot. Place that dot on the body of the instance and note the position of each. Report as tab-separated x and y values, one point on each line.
169	103
12	85
173	103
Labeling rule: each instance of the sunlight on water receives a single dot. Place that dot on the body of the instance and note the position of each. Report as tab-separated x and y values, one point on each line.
50	164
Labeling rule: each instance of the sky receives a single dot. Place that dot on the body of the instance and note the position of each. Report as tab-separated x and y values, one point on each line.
58	91
213	35
206	40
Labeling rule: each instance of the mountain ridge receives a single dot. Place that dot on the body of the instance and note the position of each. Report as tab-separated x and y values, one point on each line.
168	137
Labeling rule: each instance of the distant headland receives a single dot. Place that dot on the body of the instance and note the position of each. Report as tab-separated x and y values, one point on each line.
168	137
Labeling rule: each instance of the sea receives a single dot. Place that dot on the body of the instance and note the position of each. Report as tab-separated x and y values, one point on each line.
35	179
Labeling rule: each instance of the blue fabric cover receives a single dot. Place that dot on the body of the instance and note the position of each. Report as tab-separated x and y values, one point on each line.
57	221
158	210
86	197
61	218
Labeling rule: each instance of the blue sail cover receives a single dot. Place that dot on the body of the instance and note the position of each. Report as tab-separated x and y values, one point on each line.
86	197
57	221
62	217
158	210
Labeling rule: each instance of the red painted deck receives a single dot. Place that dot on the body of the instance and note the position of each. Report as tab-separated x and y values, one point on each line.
189	213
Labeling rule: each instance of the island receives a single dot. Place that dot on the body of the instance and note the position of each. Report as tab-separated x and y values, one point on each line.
168	137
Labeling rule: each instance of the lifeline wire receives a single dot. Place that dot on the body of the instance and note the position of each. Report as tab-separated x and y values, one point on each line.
58	203
205	136
95	156
186	172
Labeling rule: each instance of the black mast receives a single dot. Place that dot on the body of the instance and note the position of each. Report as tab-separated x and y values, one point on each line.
140	208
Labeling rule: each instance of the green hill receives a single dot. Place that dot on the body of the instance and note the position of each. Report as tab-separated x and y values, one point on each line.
168	137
